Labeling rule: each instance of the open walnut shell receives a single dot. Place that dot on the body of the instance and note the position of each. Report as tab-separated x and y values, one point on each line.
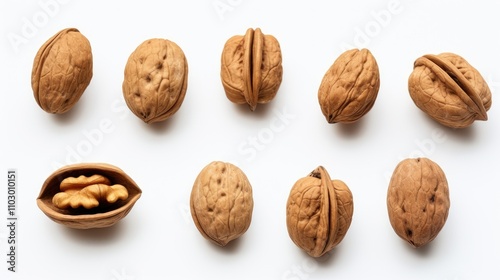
81	218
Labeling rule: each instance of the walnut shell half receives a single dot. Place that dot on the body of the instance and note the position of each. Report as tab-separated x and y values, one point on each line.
81	218
449	90
319	212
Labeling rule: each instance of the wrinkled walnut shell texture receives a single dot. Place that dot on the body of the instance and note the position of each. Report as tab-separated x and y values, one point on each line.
418	200
449	90
155	80
221	202
82	218
62	70
350	87
251	69
319	212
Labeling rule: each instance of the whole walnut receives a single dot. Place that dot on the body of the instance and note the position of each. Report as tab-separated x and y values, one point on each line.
221	202
449	90
350	87
251	69
319	212
62	70
418	200
155	80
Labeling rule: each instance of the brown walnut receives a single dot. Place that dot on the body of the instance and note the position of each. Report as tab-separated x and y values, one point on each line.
251	69
221	202
155	80
449	90
84	212
350	87
319	212
418	200
62	70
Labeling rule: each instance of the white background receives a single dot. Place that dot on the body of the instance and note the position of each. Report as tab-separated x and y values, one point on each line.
158	239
